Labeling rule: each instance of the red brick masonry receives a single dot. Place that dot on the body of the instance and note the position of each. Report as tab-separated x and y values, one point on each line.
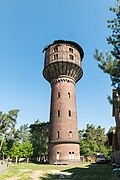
63	69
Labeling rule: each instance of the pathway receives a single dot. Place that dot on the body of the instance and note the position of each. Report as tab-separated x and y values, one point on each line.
36	174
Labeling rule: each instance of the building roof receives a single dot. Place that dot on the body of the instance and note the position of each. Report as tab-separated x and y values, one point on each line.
78	47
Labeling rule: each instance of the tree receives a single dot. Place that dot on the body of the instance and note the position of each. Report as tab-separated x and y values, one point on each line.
110	63
88	143
39	138
7	124
7	145
102	140
93	140
22	146
23	133
4	151
15	151
26	150
21	150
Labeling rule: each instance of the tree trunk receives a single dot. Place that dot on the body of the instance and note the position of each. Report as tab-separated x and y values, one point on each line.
2	143
27	160
3	157
39	158
16	159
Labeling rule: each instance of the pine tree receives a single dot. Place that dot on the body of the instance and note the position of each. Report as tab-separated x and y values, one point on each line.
110	62
7	125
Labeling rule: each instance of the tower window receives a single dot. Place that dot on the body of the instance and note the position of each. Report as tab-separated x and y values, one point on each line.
70	134
69	112
55	56
58	134
70	155
58	113
70	50
71	56
69	94
56	49
58	95
58	156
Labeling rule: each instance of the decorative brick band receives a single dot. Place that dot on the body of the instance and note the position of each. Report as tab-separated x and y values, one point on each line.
63	141
63	79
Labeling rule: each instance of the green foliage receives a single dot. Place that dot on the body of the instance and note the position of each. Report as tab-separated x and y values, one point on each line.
110	62
15	150
5	151
22	146
26	149
25	141
7	125
23	133
23	150
39	138
93	140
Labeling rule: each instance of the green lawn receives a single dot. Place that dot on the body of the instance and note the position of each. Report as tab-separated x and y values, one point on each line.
26	171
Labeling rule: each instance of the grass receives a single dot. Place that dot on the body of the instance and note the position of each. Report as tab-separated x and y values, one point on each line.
94	172
83	172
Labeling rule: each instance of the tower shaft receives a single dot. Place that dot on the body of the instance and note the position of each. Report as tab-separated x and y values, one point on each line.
63	142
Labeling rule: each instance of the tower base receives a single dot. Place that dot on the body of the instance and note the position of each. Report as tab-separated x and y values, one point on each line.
63	153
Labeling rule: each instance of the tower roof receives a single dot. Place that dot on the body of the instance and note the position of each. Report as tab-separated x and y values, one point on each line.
78	47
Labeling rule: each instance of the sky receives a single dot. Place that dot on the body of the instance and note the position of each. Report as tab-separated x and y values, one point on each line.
26	27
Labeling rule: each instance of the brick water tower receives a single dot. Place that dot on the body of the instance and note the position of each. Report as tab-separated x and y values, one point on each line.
62	69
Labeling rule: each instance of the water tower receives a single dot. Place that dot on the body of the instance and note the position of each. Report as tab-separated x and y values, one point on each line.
62	69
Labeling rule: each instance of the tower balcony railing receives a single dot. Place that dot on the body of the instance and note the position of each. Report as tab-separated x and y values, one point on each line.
62	56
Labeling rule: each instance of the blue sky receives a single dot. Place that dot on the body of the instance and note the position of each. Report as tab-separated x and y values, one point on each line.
26	27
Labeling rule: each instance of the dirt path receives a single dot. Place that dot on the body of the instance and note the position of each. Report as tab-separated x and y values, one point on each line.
35	175
13	178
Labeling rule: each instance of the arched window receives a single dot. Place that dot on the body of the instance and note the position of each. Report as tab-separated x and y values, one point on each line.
58	156
58	113
68	94
70	134
55	56
56	49
70	155
71	50
71	56
58	95
69	112
58	134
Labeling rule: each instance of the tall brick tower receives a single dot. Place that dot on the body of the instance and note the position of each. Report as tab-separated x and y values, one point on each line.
62	69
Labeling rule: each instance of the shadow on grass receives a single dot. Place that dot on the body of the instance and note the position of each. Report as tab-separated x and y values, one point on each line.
88	172
39	162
